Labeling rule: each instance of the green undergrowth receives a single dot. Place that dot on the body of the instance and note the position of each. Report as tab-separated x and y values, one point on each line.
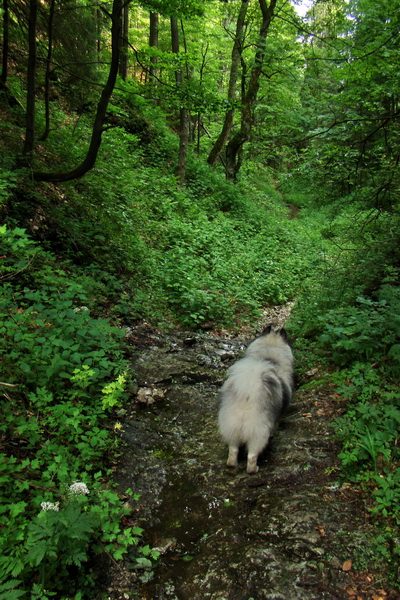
347	313
370	459
207	252
364	340
62	375
359	252
358	347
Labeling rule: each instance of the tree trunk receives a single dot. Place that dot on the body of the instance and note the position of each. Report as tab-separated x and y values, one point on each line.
223	137
47	75
235	145
198	117
153	43
183	113
6	22
97	15
31	82
97	131
175	45
123	68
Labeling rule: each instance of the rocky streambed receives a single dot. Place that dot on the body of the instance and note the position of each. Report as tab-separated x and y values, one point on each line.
287	533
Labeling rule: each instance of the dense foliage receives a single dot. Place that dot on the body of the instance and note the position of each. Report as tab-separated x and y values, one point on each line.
350	158
62	371
148	230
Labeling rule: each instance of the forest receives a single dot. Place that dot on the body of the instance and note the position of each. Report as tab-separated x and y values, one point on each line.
187	163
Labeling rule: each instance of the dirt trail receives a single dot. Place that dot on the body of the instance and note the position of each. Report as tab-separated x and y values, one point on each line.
283	534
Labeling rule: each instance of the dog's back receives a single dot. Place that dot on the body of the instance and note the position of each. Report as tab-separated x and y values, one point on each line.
257	390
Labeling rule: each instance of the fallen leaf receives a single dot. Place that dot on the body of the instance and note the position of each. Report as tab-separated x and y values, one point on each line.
375	597
347	565
321	530
351	592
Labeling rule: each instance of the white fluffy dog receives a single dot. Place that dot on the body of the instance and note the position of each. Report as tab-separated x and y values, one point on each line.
258	389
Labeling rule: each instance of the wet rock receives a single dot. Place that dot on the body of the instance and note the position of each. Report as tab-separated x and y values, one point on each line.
167	545
225	354
190	341
149	395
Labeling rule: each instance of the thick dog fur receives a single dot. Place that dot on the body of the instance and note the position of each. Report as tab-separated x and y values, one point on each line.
258	389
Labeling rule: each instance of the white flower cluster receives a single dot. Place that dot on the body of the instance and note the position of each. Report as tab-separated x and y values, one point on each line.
79	488
79	309
50	506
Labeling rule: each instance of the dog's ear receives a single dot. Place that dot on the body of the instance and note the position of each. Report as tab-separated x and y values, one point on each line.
282	333
266	330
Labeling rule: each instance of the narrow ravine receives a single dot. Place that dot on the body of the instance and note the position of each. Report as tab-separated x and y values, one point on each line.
283	534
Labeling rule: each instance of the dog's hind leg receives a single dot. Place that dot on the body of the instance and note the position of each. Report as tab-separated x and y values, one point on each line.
255	446
253	450
233	456
252	466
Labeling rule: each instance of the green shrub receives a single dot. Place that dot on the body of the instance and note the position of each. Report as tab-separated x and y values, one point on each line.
48	544
63	371
7	183
368	432
368	331
45	339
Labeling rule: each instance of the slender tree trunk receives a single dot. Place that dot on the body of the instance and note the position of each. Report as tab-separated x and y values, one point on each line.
183	113
175	45
123	69
198	117
97	14
47	75
31	82
153	43
98	126
235	146
4	69
223	137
